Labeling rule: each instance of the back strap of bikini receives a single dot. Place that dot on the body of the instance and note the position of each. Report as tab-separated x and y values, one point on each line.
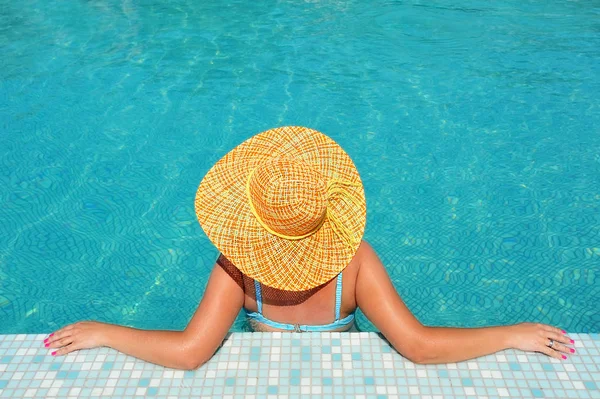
338	297
258	296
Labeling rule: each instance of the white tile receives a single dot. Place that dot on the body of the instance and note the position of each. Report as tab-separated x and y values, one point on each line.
502	391
569	367
578	385
30	392
469	391
178	374
562	375
252	381
140	391
108	391
413	390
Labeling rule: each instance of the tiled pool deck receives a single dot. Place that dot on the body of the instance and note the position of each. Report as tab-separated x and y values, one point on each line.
282	365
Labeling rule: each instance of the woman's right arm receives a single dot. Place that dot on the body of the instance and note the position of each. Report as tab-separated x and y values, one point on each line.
379	301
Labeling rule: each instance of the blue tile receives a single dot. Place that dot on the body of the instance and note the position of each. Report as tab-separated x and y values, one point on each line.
144	382
590	385
356	356
71	375
326	349
336	357
38	359
295	373
107	366
152	391
6	359
306	349
255	350
295	381
467	382
230	381
382	396
537	393
188	374
272	390
336	342
306	357
369	381
254	357
547	367
443	373
3	384
515	366
327	381
296	342
61	374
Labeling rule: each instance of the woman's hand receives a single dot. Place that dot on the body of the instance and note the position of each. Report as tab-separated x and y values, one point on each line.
81	335
536	337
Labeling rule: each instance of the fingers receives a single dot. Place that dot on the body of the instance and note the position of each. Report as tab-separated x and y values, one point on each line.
62	339
551	352
65	349
561	340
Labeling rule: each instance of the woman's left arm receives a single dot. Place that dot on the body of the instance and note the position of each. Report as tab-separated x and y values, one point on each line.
187	349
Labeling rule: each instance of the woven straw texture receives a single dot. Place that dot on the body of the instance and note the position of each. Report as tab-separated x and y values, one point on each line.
258	201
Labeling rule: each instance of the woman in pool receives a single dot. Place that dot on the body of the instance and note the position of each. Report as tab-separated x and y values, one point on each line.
287	210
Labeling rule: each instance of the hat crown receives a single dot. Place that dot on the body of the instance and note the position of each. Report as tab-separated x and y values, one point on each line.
289	196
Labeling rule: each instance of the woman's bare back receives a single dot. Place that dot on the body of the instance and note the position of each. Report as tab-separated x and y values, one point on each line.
311	307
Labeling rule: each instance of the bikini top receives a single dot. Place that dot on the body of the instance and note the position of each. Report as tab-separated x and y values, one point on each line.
338	323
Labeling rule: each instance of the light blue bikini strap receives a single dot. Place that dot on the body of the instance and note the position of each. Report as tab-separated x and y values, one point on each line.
338	297
258	296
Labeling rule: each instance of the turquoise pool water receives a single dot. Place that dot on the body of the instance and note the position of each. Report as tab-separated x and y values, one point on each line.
474	126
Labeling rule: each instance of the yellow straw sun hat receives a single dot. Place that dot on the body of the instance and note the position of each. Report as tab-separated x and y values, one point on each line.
286	207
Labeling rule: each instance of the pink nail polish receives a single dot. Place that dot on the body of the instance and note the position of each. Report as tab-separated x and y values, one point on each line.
564	332
46	340
572	341
54	354
47	345
564	357
572	350
51	335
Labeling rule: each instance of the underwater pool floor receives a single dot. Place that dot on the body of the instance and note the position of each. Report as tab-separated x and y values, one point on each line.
276	365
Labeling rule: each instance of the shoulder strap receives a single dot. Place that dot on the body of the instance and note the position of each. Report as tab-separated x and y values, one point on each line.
258	296
338	297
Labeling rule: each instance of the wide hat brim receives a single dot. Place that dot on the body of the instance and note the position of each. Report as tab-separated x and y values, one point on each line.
223	210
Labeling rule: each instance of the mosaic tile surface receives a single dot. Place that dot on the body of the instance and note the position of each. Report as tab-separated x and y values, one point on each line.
276	365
